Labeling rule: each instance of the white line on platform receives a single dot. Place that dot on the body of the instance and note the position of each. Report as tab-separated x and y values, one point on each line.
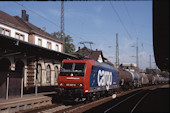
58	108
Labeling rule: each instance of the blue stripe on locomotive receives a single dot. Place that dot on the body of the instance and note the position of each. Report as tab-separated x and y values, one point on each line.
103	77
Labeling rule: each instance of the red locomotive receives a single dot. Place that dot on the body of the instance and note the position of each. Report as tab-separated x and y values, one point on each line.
85	79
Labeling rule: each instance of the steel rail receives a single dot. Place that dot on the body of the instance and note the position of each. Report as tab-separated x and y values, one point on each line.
122	101
139	102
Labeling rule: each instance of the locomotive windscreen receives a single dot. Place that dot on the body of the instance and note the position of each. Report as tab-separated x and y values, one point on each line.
67	67
77	69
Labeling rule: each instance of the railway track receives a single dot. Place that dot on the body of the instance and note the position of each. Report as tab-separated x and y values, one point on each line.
135	99
152	99
135	95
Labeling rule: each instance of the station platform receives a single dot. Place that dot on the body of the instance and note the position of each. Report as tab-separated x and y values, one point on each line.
28	101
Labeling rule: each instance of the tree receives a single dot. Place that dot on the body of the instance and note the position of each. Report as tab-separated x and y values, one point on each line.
69	46
57	34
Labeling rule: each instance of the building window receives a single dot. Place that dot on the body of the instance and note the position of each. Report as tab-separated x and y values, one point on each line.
39	42
39	73
48	73
19	36
56	74
5	31
56	48
49	45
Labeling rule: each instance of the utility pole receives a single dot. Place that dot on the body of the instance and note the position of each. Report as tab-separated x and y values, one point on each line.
62	24
117	51
137	58
150	61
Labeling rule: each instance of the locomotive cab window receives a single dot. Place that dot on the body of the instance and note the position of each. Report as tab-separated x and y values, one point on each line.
79	67
67	67
72	69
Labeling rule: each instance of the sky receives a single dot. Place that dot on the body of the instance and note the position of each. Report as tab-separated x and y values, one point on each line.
97	22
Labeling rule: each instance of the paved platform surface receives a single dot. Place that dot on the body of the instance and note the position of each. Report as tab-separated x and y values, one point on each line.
26	102
25	98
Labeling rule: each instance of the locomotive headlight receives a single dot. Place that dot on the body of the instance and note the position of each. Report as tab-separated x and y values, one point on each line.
61	84
80	85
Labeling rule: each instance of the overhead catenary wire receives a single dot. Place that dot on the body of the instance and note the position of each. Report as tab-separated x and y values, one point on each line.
125	26
77	36
48	20
132	23
120	20
38	14
130	17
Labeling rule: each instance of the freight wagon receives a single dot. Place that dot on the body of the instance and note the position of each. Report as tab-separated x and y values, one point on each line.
125	79
145	80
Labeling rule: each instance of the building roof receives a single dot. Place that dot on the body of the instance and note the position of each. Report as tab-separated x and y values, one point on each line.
95	55
11	46
19	23
11	21
90	53
108	62
161	33
86	52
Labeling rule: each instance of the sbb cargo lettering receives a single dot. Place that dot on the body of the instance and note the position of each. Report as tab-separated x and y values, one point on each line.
104	78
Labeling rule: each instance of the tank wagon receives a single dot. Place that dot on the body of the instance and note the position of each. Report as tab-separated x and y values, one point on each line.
81	80
153	80
157	79
145	79
125	79
136	77
150	78
161	80
164	80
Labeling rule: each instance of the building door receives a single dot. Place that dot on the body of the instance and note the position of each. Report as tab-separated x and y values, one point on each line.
4	70
15	79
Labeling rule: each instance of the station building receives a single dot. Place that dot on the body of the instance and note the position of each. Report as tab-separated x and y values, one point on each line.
29	56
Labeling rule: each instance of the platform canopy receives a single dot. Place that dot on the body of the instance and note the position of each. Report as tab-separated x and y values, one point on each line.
161	33
10	46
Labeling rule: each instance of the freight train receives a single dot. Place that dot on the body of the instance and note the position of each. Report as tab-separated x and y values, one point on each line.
81	80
